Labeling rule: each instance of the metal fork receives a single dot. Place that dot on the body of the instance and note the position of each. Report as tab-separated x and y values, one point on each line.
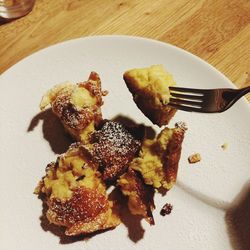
205	100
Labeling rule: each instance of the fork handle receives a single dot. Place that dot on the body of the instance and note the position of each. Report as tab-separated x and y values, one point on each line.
233	95
244	91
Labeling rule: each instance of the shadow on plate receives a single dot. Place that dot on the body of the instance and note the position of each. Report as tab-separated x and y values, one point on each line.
237	214
132	222
138	130
59	140
202	197
238	219
53	131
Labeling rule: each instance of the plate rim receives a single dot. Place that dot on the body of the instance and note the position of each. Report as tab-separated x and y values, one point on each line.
122	37
9	71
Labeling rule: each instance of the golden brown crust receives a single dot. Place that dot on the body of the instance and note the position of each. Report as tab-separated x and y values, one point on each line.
74	118
101	222
140	196
159	114
86	211
84	205
172	156
94	86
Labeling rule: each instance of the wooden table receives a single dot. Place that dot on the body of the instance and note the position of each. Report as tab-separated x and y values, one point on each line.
216	30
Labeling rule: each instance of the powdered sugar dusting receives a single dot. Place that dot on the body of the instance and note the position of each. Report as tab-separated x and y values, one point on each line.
114	147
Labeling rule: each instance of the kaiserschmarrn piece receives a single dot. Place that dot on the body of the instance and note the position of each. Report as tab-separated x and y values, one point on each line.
140	196
113	148
78	106
159	157
150	90
76	195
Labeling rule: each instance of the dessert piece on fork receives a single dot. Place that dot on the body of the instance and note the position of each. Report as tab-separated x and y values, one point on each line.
150	90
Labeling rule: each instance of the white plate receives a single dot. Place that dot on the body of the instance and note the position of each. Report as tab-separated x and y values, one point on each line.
204	191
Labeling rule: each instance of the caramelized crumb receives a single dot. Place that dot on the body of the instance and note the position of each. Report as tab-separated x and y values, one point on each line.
194	158
166	209
181	125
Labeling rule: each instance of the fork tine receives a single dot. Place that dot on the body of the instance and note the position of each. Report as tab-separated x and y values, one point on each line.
187	90
184	96
185	108
182	101
205	100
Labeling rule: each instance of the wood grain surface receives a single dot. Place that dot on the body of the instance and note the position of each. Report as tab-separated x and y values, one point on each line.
218	31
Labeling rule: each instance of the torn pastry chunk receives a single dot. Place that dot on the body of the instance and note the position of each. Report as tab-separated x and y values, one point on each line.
150	90
113	148
76	195
159	157
140	196
78	106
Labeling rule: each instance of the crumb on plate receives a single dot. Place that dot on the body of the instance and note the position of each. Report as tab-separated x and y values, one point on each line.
194	158
166	209
181	125
224	146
